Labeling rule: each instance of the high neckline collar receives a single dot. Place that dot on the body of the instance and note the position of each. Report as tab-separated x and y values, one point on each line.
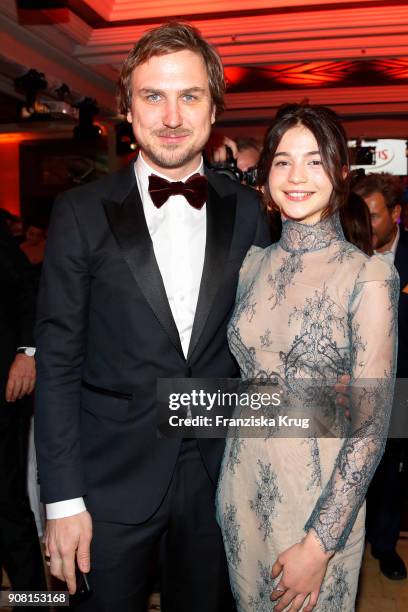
300	237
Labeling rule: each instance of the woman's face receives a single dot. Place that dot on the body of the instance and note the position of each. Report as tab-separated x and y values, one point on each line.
298	182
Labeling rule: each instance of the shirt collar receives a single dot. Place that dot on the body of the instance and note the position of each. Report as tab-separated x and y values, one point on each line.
395	243
391	252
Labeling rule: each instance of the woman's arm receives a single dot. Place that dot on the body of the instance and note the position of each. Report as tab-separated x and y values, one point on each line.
372	323
372	329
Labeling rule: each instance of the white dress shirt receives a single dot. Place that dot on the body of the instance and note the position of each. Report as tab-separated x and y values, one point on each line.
389	256
178	233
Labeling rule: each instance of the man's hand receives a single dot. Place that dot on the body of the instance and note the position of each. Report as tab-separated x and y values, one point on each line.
66	539
219	153
21	378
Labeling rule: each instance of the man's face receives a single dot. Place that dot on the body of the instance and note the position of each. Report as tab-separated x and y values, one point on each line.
383	221
34	235
248	158
172	111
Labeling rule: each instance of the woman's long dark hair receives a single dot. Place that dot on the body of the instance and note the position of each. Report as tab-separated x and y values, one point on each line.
356	222
331	138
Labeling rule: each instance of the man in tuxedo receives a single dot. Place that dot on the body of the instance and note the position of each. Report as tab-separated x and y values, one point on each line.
139	283
20	551
383	195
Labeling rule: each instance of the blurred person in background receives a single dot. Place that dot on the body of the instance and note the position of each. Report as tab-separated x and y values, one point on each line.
382	194
14	224
34	244
248	152
404	204
404	216
20	550
34	248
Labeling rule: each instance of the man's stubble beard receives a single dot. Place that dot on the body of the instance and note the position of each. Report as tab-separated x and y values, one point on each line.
379	242
170	156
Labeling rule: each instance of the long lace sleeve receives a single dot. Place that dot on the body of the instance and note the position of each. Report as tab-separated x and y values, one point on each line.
372	333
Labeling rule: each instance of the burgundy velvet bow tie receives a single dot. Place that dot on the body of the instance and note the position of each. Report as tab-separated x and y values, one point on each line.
194	190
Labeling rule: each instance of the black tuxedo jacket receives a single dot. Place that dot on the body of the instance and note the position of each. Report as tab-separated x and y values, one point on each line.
105	333
401	263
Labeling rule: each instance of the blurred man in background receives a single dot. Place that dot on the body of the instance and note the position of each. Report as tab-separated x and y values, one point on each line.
383	195
20	551
248	152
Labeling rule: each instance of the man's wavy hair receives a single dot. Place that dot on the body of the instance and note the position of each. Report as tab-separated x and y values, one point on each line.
387	184
332	142
170	38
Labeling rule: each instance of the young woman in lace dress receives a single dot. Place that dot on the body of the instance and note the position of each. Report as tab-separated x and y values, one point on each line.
309	308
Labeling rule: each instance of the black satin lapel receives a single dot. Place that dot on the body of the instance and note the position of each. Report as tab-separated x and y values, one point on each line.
128	224
220	226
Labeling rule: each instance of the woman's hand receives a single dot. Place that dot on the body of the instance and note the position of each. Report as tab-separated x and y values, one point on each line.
304	566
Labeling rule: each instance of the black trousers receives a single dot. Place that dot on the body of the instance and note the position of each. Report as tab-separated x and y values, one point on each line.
20	550
385	497
184	534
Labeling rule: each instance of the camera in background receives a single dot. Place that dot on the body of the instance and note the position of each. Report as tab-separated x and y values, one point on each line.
230	169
